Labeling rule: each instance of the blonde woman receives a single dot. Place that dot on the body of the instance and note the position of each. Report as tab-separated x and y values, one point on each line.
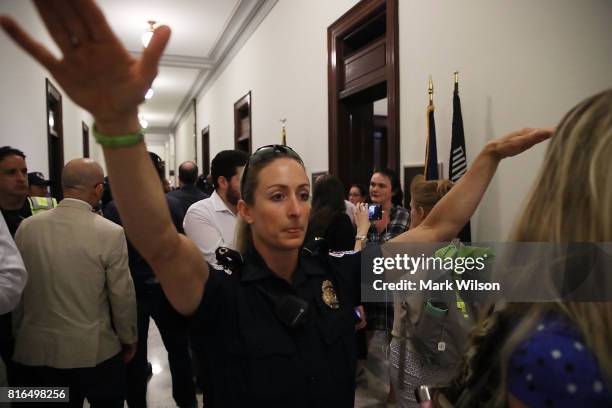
407	368
558	354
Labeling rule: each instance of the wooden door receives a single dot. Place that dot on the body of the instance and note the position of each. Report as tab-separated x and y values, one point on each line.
55	139
363	67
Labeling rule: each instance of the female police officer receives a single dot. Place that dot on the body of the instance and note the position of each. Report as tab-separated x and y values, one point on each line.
260	355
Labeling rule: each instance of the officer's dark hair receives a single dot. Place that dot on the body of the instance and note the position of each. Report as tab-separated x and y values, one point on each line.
188	173
259	160
158	163
6	151
398	195
327	203
225	163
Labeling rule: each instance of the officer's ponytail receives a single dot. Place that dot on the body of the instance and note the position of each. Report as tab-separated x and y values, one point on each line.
244	237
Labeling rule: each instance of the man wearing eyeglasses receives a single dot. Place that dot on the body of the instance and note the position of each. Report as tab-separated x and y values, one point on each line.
211	223
79	307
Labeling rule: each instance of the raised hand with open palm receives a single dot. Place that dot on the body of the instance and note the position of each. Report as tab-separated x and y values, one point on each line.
95	70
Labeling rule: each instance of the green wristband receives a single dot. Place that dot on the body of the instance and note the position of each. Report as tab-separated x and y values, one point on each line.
117	142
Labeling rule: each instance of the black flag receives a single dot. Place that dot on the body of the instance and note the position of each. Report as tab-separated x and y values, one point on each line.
458	156
431	151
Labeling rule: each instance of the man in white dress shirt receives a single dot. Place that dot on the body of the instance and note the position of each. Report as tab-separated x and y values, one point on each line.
211	223
13	279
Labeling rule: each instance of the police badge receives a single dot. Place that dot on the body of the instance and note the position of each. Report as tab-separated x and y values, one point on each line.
329	294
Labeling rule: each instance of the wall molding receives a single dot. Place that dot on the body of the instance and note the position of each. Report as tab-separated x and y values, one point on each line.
245	21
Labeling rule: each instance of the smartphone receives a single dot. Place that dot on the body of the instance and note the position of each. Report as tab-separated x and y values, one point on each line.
357	315
375	212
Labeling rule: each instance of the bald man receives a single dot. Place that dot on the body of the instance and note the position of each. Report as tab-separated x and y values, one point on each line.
188	193
79	306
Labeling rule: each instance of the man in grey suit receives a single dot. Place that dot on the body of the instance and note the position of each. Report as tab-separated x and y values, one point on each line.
79	307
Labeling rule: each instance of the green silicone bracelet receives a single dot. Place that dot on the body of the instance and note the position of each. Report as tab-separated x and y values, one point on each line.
116	142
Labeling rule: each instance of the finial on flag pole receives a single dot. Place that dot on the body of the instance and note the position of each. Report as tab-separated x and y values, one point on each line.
456	81
431	90
283	132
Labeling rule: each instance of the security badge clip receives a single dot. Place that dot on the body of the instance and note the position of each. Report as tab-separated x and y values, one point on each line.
231	260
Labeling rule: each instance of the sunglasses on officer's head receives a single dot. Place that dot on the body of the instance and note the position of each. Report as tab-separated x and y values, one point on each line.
265	153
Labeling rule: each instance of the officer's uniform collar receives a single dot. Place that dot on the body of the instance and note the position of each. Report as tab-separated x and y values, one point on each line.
255	268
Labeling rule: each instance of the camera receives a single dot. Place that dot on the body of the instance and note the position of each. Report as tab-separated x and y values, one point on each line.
375	212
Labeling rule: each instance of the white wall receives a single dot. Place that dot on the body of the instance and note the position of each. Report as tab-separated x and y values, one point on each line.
22	98
184	142
284	65
159	143
521	64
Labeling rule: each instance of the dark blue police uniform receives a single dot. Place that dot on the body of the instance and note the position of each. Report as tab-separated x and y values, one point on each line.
252	358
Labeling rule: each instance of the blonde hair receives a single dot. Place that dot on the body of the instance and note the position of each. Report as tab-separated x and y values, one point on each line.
426	193
571	201
575	180
243	235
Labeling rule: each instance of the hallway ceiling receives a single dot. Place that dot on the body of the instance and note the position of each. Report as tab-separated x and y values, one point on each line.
204	34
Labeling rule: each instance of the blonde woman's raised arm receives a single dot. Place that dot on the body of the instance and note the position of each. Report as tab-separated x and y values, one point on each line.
454	210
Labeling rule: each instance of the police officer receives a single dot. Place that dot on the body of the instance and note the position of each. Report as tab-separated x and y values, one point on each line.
259	354
280	328
15	203
38	186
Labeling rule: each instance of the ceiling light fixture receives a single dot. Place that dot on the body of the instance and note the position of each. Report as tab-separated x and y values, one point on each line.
148	34
149	94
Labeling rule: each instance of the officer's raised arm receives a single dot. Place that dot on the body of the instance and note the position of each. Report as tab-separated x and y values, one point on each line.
98	73
454	210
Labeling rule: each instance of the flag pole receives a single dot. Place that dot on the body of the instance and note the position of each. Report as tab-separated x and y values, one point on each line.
283	132
431	153
456	81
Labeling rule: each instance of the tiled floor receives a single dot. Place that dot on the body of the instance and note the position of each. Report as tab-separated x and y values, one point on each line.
372	387
374	391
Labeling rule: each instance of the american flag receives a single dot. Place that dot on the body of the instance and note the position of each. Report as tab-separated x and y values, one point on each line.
458	156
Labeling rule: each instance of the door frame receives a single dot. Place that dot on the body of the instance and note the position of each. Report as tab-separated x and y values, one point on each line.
205	135
56	163
360	14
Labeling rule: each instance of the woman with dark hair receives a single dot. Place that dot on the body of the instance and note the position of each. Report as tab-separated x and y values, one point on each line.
358	193
328	217
280	333
385	190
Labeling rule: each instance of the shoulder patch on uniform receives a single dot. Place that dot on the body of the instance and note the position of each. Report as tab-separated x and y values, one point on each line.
340	254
